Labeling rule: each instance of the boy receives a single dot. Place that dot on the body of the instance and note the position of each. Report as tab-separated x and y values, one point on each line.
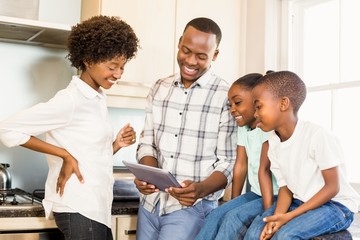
314	197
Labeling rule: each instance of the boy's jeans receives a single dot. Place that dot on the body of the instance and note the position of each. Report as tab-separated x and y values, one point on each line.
328	218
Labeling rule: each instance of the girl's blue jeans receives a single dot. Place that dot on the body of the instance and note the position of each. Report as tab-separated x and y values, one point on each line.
329	218
232	219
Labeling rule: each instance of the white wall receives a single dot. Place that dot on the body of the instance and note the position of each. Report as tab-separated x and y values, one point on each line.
29	74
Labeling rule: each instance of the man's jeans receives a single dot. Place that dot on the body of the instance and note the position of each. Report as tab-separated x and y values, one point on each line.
182	224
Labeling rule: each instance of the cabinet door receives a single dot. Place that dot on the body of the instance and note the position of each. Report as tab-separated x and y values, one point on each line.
154	24
126	227
227	14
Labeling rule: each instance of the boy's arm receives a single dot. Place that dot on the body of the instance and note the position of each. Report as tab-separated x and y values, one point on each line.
265	178
326	193
239	172
275	221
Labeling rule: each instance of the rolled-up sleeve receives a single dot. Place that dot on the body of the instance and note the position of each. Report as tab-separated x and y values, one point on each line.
226	143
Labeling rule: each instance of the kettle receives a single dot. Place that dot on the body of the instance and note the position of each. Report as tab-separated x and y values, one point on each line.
5	177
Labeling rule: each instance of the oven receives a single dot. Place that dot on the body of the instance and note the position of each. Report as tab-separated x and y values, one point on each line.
22	217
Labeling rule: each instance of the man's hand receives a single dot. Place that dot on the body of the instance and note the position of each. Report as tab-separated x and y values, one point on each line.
69	166
187	195
144	187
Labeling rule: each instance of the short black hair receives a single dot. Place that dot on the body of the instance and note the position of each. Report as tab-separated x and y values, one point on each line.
99	39
206	25
286	84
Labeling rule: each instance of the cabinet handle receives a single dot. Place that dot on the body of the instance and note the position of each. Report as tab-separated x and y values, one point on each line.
130	232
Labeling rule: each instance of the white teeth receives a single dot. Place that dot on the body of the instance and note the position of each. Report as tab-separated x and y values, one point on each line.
112	81
189	69
238	117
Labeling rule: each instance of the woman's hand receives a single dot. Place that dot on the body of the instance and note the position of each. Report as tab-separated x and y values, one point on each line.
69	166
125	137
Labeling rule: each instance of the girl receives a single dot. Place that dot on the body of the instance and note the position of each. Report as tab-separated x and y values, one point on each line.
231	220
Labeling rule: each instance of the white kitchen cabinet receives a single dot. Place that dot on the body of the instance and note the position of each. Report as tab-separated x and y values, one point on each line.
124	227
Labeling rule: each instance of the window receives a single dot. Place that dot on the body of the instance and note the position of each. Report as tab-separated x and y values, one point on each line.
323	39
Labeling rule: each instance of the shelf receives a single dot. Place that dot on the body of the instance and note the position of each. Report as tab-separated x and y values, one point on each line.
25	31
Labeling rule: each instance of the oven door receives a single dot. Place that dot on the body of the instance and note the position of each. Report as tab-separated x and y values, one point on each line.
48	234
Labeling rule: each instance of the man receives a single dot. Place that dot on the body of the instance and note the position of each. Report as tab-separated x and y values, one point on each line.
190	132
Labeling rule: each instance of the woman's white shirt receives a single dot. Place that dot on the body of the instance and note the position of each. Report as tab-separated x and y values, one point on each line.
75	119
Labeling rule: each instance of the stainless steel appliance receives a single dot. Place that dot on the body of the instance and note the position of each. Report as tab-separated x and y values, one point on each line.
124	186
19	210
5	177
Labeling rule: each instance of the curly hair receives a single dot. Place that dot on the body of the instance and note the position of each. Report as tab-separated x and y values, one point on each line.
99	39
286	84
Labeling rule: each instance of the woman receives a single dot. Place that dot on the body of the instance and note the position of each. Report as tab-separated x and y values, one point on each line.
79	138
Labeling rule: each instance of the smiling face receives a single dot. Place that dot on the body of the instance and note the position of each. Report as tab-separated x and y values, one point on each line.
103	74
267	108
242	105
196	51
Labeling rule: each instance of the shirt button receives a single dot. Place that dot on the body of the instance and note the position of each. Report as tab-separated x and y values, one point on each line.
185	92
180	113
176	135
172	156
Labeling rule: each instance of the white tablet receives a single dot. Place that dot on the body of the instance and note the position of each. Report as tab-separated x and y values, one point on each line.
161	178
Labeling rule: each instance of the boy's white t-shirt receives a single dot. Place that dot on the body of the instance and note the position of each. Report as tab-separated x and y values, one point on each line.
297	163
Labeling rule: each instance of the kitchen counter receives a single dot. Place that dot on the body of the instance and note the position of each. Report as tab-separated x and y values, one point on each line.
118	208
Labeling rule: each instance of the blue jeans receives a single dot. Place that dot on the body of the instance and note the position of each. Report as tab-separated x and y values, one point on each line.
231	220
329	218
182	224
75	226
